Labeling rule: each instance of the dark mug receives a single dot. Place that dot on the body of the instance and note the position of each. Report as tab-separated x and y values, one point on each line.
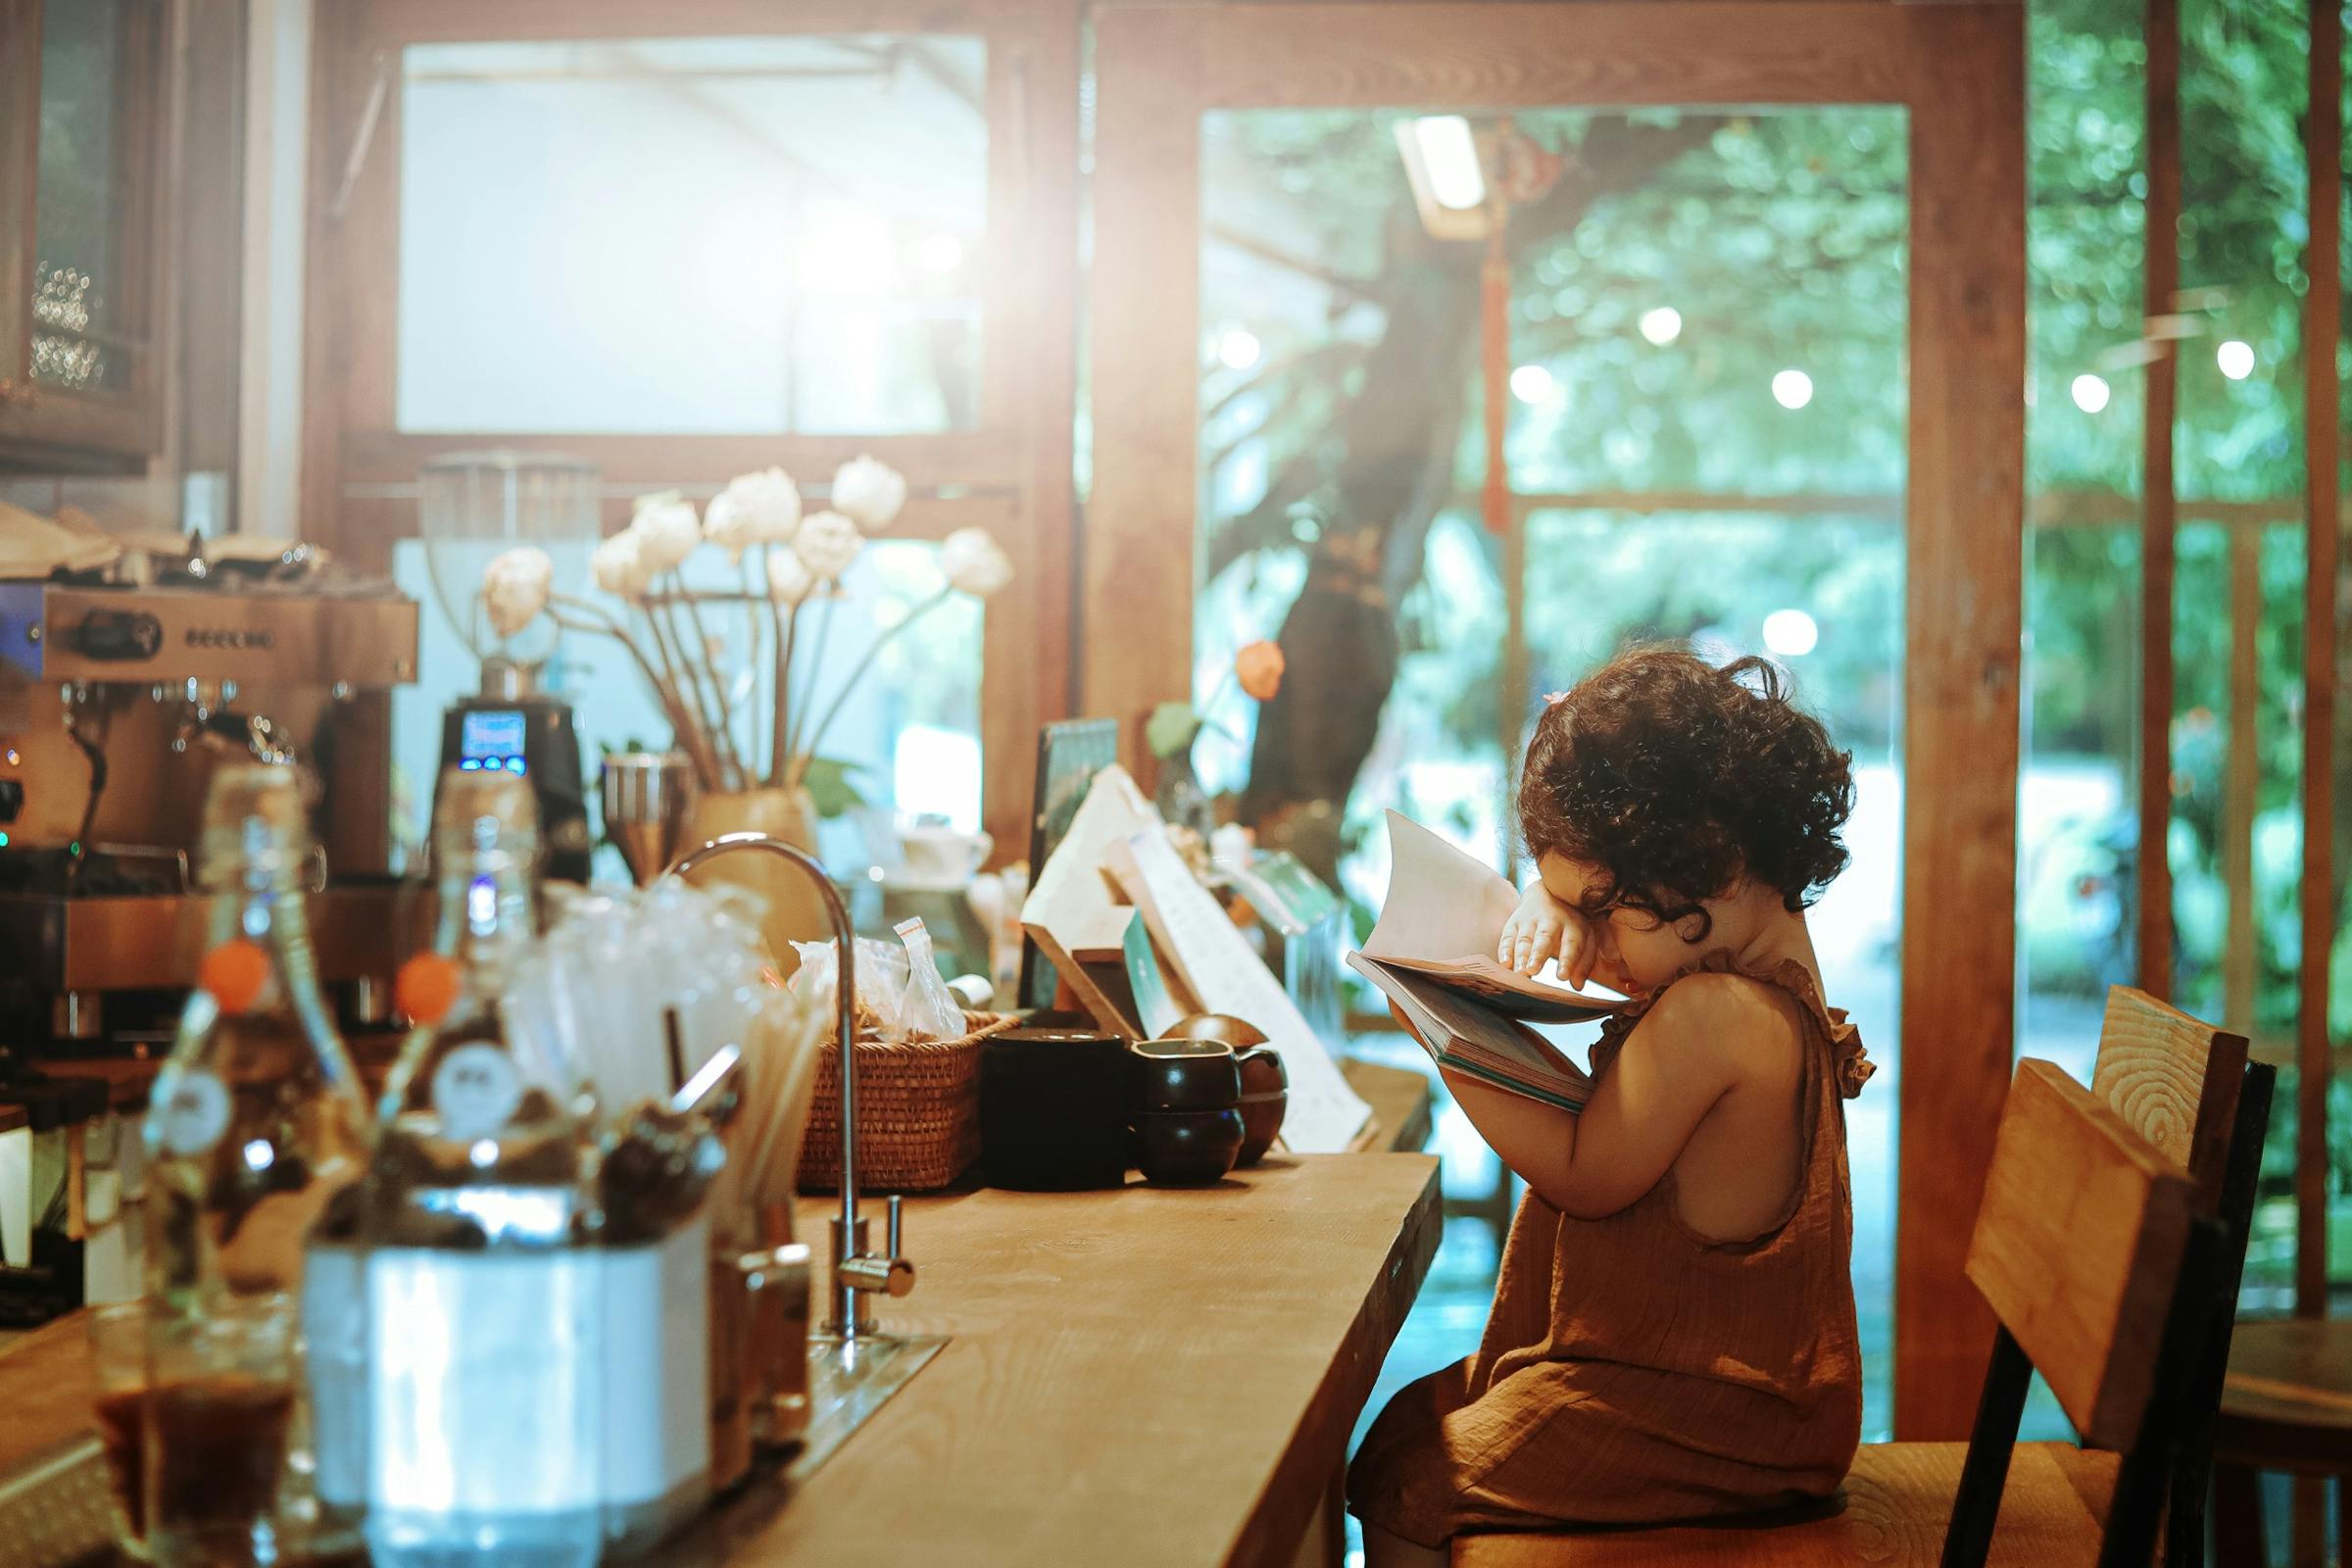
1053	1109
1186	1075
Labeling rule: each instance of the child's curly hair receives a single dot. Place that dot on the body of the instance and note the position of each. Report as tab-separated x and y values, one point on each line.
1673	778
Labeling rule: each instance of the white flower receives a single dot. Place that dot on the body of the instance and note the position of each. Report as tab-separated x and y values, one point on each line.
869	493
667	530
975	562
788	578
620	566
826	544
755	509
515	586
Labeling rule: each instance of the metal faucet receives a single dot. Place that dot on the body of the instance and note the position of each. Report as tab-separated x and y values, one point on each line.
857	1273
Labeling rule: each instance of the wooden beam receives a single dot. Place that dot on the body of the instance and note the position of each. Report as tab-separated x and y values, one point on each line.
1964	597
1028	675
2323	324
1524	56
1140	547
2157	515
393	23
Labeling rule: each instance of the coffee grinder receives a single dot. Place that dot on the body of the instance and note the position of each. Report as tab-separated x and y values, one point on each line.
476	506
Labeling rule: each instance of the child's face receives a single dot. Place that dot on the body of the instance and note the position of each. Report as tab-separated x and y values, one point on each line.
1638	952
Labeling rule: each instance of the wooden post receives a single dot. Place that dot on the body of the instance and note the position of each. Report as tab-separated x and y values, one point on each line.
2156	521
2241	776
2323	319
1965	525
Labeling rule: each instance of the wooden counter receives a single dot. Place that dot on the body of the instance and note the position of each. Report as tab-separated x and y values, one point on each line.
1137	1378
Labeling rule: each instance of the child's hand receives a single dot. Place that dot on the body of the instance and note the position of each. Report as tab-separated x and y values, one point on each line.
1541	928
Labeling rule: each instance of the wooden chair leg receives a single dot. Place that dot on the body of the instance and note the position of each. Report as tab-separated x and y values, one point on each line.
2237	1517
1977	1504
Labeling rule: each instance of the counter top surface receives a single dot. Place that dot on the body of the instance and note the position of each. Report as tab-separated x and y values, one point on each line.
1141	1376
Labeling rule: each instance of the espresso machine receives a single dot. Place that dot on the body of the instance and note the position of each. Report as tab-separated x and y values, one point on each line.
115	704
116	701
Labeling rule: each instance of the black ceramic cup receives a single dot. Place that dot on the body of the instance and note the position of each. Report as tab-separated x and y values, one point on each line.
1182	1147
1054	1110
1186	1075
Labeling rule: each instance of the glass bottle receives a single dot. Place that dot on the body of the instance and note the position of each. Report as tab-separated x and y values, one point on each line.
255	1124
476	1224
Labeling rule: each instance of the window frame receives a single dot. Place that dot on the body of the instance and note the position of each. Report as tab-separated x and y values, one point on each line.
1010	473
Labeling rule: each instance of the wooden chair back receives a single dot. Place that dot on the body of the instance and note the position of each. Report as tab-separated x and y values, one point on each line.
2079	1246
2175	1080
2193	1091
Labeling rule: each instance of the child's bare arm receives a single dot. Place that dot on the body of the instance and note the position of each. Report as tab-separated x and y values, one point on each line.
1679	1061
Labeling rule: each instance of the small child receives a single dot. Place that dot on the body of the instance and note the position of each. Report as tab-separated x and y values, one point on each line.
1673	1330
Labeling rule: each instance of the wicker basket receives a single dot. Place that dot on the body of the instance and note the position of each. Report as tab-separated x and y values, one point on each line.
918	1113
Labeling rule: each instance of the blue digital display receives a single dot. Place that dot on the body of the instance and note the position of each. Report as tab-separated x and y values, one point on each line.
491	740
493	737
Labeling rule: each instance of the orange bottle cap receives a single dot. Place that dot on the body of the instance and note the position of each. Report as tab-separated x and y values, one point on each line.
427	987
235	974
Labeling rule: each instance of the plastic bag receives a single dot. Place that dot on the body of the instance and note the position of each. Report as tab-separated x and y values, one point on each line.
900	989
881	983
928	1007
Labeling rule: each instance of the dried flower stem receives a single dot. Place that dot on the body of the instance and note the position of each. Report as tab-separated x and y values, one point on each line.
587	618
730	750
690	733
753	619
817	736
788	627
796	745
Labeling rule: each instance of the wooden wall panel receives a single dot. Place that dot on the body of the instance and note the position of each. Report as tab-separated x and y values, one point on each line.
1961	672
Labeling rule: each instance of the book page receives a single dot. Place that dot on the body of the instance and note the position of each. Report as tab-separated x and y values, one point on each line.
1226	974
1512	994
1442	904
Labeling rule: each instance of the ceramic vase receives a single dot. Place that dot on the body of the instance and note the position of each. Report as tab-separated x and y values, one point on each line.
795	910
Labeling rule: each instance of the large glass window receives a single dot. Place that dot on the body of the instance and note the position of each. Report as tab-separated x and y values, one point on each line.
2235	731
707	236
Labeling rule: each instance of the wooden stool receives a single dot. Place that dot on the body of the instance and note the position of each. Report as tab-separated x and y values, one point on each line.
2286	1405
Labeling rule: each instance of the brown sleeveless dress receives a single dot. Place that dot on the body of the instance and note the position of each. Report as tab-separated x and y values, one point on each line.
1632	1370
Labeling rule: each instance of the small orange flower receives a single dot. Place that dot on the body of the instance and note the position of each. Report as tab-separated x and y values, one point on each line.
1259	665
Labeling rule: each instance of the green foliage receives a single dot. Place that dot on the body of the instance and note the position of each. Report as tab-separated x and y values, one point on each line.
830	787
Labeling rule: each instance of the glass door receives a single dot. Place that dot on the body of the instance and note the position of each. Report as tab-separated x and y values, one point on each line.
1705	412
1459	346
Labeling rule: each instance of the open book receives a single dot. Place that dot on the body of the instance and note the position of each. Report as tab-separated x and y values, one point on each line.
1431	955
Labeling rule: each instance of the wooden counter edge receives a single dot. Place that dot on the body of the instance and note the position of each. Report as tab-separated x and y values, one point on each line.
1313	1460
